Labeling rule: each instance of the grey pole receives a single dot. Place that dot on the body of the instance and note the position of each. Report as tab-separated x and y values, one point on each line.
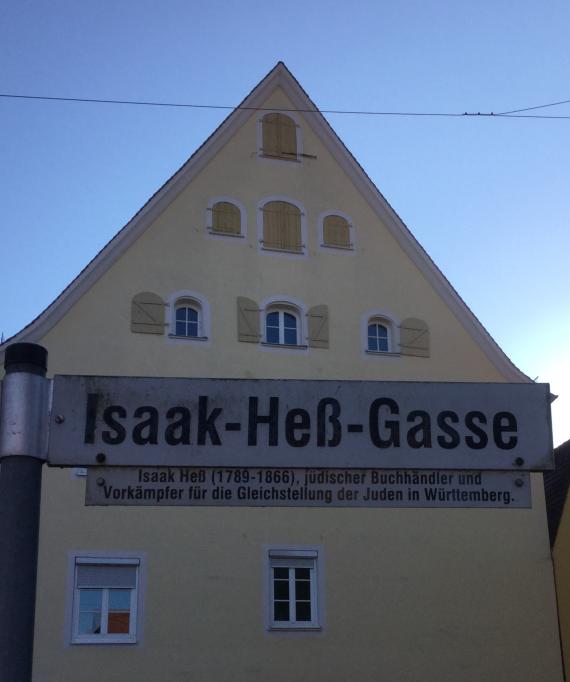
23	445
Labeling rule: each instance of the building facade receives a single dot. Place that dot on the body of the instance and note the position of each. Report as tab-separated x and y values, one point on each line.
270	254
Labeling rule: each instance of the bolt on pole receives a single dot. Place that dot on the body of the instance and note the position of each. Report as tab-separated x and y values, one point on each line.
23	448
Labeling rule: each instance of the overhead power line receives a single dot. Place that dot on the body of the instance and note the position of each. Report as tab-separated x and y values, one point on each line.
515	113
540	106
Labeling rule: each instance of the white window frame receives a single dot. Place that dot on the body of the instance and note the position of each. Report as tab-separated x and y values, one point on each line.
391	323
298	138
194	300
282	253
288	305
86	558
321	228
295	557
210	221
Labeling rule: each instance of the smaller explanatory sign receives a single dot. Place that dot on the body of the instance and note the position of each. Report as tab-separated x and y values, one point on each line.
268	487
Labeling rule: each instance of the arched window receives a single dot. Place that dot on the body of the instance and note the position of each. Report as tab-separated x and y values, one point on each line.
282	227
226	218
279	137
188	319
336	232
379	336
282	326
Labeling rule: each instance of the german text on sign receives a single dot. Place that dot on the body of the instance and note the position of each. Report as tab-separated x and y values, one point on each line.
268	423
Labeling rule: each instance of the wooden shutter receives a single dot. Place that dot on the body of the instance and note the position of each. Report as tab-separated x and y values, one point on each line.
147	314
279	136
282	226
336	231
318	324
414	338
226	218
248	320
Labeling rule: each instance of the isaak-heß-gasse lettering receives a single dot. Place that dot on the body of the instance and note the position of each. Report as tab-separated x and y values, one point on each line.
271	423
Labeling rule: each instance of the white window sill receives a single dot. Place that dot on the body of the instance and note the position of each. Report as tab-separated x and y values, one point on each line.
219	233
98	640
293	627
188	338
295	252
350	247
284	345
389	354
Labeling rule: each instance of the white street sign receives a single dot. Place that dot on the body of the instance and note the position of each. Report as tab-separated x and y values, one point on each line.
125	421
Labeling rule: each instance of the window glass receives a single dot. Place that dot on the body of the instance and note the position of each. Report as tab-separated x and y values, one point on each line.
186	321
272	327
377	337
289	329
90	603
119	611
293	590
281	328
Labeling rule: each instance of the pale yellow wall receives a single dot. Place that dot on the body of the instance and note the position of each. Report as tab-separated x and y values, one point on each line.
177	254
411	594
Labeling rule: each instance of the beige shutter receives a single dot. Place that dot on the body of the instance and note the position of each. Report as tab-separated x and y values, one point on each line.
336	231
318	324
279	136
226	218
282	226
414	338
147	313
248	320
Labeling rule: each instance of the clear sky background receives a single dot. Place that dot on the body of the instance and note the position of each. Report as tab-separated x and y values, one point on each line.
488	198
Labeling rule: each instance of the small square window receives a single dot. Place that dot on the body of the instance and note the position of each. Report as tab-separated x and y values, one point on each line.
293	590
105	600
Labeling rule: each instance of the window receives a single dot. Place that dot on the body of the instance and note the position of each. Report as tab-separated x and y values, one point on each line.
282	230
226	217
378	337
105	599
336	232
293	589
189	317
282	326
380	333
279	137
187	320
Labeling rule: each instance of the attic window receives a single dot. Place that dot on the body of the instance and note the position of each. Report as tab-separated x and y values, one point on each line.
282	227
226	217
337	231
279	137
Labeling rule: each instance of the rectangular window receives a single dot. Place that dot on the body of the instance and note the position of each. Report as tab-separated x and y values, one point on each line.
293	589
105	600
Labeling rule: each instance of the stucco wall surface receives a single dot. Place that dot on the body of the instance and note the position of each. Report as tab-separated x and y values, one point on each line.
437	595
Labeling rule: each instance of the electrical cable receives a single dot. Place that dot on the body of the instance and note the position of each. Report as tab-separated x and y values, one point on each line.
515	113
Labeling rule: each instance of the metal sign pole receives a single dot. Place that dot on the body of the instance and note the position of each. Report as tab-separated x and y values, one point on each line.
23	446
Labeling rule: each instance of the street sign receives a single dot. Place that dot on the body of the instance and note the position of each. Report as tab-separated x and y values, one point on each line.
222	487
125	421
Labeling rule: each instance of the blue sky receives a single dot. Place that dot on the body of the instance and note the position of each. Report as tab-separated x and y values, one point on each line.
487	197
